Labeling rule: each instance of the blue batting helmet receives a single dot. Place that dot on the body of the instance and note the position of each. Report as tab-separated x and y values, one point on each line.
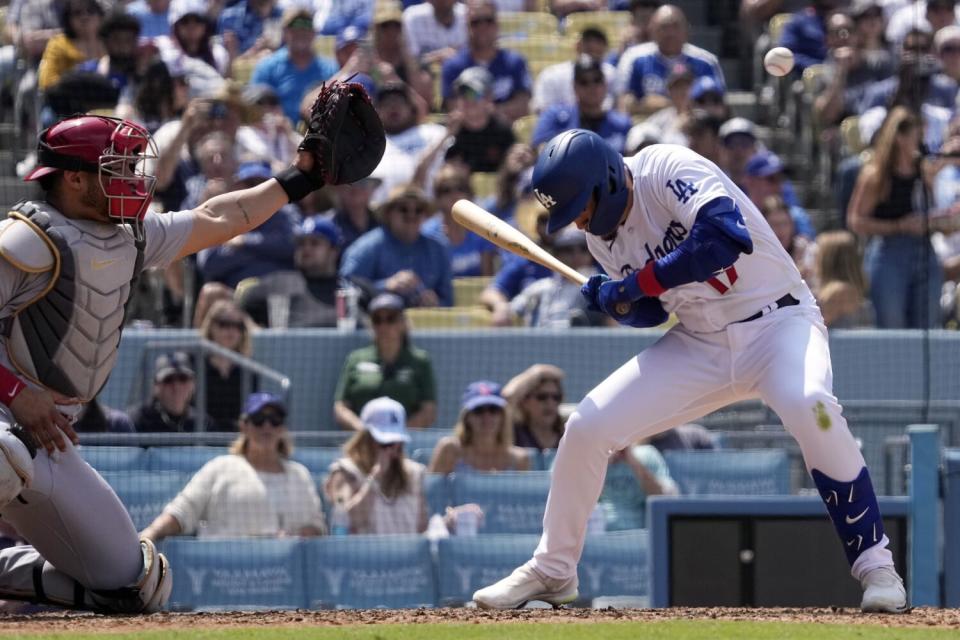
574	166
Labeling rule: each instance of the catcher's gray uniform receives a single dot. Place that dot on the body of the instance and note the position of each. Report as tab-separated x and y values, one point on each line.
84	550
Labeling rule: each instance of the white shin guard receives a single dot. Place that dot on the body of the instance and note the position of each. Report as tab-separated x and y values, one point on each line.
150	592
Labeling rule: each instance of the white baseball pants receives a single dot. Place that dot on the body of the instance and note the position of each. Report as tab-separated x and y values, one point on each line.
782	357
75	522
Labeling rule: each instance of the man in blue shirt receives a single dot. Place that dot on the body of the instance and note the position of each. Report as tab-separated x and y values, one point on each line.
333	16
590	89
152	15
806	34
512	85
118	33
266	249
398	257
246	21
515	274
646	76
295	68
470	254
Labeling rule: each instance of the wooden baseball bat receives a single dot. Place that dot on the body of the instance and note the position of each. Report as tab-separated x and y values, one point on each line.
502	234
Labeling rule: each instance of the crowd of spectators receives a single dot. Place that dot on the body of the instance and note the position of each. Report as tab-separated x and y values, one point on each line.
224	85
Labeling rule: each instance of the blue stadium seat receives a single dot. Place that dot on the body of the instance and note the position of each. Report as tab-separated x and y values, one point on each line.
437	488
546	458
467	564
615	564
370	572
426	438
181	458
112	458
317	459
623	500
512	501
237	574
145	493
536	459
746	472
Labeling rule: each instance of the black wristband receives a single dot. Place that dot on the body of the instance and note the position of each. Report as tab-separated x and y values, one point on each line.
298	184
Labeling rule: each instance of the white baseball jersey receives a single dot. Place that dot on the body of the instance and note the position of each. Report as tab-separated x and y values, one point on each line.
670	185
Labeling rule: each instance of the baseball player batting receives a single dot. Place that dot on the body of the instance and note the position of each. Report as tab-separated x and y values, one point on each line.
676	235
69	264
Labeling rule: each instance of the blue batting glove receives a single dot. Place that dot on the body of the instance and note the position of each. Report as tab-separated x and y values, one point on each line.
591	288
618	292
643	313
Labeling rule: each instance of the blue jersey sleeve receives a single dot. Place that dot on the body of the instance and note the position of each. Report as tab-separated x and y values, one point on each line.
451	68
718	237
635	83
521	75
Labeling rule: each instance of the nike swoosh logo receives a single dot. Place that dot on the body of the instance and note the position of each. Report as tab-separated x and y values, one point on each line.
13	392
741	225
857	519
101	264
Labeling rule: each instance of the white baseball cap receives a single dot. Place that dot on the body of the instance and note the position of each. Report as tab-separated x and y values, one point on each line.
386	420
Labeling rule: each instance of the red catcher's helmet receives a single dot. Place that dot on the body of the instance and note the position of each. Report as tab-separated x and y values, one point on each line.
116	150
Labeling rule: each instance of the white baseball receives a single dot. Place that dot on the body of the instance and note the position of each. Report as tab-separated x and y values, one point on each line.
778	61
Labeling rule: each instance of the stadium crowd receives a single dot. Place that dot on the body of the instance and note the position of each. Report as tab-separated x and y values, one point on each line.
467	92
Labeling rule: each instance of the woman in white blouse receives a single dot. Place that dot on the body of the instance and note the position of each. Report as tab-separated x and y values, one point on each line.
255	490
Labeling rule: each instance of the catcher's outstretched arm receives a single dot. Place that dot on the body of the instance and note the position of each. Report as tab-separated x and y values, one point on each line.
225	216
344	143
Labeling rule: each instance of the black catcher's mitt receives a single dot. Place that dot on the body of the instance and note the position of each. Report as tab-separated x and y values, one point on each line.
344	133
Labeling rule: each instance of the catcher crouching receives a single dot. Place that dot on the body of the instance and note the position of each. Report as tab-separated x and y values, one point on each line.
69	263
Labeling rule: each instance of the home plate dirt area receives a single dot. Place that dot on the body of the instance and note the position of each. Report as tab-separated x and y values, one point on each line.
92	623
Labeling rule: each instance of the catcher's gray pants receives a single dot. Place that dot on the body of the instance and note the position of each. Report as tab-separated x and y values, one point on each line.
79	532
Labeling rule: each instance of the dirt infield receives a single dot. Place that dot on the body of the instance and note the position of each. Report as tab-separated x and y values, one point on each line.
90	623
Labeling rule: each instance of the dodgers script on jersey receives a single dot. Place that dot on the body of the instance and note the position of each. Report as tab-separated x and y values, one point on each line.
670	185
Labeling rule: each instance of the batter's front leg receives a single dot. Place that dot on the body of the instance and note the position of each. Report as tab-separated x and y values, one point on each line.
678	379
796	381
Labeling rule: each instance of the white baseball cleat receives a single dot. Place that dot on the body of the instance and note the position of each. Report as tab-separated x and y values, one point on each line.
883	591
523	585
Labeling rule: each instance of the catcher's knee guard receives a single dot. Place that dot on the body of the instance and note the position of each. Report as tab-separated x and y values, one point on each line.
16	464
148	594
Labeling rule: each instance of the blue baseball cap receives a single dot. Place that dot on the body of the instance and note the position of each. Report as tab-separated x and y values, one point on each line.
320	226
367	83
249	170
256	402
481	394
386	300
169	364
704	85
349	35
764	164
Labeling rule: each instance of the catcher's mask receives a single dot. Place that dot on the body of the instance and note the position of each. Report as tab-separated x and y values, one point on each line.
116	150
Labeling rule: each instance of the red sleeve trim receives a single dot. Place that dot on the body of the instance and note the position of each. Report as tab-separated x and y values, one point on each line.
648	282
10	386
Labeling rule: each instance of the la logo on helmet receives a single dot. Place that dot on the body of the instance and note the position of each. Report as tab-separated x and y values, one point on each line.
545	199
